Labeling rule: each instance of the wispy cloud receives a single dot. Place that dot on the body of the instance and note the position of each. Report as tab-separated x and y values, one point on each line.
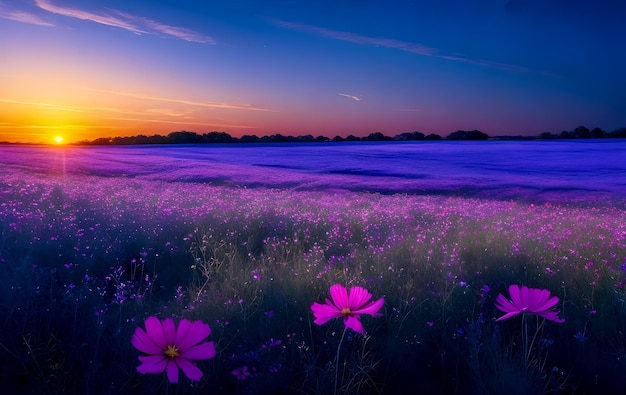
151	115
356	98
168	112
49	106
157	115
21	16
28	126
174	31
407	109
122	20
187	123
416	48
88	16
412	47
191	103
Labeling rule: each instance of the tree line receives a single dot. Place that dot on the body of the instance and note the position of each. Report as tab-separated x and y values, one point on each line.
187	137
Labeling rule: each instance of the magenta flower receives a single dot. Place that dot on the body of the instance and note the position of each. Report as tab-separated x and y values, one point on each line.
349	306
170	348
528	301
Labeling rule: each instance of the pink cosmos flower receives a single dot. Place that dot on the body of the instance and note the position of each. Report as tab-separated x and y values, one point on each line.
529	301
170	348
349	306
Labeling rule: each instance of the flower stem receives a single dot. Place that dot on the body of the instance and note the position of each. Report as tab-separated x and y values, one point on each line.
525	339
337	359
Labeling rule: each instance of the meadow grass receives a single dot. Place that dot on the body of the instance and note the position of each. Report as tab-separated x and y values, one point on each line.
85	260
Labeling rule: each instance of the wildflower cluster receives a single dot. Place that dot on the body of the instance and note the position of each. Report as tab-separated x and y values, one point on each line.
85	259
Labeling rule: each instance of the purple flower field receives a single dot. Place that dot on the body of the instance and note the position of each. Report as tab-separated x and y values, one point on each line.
246	239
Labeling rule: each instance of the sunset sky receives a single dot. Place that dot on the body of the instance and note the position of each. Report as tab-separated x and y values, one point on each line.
95	68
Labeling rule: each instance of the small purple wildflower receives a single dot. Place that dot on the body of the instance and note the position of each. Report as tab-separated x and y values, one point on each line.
241	373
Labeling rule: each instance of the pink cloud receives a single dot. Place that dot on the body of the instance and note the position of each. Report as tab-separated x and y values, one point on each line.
174	31
88	16
356	98
22	16
131	23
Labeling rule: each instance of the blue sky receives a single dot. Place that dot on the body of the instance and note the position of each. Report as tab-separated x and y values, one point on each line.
87	69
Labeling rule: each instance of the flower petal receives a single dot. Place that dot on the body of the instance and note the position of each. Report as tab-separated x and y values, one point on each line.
516	296
154	329
508	315
324	313
172	371
547	304
551	315
190	370
371	309
339	294
358	297
142	342
152	364
201	351
194	334
354	322
169	331
529	301
533	297
183	330
505	305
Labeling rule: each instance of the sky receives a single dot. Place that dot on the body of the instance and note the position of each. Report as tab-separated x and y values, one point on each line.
102	68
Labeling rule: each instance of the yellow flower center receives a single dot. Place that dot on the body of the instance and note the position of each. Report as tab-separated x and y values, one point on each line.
172	352
346	311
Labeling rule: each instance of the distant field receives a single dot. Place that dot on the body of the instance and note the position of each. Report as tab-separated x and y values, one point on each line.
565	171
94	242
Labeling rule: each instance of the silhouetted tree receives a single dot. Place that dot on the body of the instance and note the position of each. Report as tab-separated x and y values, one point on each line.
597	133
217	138
102	141
619	133
377	136
184	137
277	138
249	138
154	139
465	135
580	132
408	136
122	140
307	138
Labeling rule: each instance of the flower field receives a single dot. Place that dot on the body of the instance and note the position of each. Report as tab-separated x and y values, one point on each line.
86	260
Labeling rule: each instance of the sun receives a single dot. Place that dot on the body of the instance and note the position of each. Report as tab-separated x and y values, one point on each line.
58	139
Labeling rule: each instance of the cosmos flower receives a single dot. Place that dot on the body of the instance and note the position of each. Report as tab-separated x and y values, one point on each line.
170	348
349	306
526	300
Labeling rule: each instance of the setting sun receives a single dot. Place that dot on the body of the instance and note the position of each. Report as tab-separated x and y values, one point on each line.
58	139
